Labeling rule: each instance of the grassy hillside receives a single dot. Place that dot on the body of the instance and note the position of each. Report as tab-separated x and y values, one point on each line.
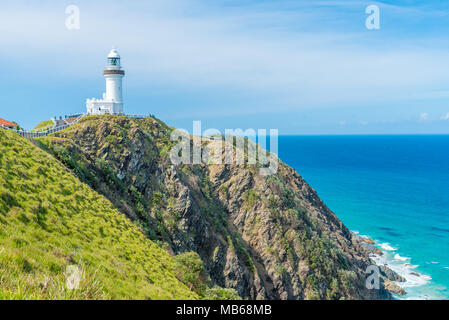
52	224
44	125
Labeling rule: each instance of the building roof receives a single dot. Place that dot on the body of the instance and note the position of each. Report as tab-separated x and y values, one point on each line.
6	123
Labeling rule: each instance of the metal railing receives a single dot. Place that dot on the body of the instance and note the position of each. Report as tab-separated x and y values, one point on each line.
37	134
131	115
34	134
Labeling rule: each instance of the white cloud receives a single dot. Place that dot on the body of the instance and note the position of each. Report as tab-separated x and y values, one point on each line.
262	51
445	117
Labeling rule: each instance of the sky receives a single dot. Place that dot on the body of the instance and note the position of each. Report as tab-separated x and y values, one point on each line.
303	67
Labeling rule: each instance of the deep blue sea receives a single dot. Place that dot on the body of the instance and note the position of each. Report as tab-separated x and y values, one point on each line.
394	189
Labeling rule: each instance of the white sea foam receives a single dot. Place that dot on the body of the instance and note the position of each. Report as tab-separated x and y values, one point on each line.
398	257
386	246
416	283
406	270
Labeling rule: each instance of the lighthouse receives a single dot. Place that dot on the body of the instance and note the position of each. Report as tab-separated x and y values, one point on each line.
112	102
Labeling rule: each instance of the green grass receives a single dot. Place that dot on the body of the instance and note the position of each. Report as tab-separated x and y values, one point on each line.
51	223
44	125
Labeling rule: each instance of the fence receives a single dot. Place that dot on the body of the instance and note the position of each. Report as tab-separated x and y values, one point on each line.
132	115
35	134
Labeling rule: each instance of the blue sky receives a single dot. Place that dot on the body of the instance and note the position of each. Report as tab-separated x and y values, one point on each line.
304	67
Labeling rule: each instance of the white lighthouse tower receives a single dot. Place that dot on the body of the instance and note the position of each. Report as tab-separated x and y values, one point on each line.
112	102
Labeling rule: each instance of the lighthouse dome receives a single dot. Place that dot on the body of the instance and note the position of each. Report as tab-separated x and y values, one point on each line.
113	54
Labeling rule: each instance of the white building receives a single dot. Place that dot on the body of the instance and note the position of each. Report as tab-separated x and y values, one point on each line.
112	102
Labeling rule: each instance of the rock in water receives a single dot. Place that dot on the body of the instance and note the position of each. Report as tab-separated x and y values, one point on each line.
393	287
391	275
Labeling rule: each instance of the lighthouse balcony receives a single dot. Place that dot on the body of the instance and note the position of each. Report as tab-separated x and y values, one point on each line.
110	72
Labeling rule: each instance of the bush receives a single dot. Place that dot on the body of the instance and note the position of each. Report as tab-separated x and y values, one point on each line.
250	197
189	269
218	293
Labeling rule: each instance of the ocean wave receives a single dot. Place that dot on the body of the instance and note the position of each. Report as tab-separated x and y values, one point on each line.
402	266
398	257
404	269
386	246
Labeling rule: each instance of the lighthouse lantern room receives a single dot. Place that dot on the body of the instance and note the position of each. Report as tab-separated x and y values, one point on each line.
112	102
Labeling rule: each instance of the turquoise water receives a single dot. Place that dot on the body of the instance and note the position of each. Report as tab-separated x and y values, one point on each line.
394	189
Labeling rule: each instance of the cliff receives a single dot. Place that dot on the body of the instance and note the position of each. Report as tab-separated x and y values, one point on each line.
268	237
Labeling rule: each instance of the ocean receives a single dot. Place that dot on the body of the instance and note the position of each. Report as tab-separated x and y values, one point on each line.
394	189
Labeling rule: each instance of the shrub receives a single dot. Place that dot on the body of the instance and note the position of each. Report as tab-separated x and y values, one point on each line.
218	293
189	269
250	197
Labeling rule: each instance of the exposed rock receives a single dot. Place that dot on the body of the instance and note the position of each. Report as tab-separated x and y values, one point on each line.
393	287
372	249
390	274
367	244
368	241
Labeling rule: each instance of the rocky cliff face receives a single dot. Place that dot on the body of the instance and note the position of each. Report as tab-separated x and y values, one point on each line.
268	237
